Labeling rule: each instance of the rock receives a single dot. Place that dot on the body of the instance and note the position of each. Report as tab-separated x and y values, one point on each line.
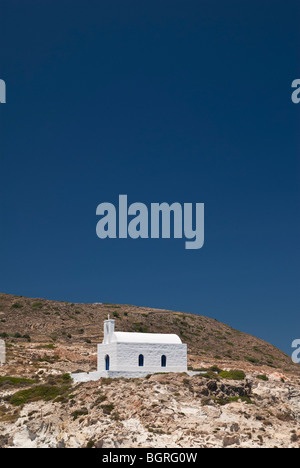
164	411
212	385
98	444
3	441
61	444
231	440
235	428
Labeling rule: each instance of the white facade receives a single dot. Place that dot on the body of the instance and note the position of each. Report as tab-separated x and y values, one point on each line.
140	352
123	354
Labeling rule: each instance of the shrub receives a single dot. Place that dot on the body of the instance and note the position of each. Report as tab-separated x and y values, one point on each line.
232	375
251	359
209	375
226	401
48	346
81	412
107	409
17	305
66	377
90	444
215	369
100	399
58	387
262	377
41	392
15	381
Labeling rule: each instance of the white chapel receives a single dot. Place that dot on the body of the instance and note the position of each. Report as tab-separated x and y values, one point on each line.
127	354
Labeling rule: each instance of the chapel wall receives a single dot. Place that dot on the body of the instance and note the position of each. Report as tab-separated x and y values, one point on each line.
124	357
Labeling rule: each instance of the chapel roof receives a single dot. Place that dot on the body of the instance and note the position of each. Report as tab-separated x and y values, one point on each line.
128	337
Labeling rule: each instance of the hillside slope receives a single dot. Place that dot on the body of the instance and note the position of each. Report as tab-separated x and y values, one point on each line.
43	321
40	405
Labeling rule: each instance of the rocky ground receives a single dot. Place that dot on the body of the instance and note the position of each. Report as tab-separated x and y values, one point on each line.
249	397
42	408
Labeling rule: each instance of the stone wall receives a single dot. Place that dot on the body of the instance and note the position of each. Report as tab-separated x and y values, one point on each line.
94	376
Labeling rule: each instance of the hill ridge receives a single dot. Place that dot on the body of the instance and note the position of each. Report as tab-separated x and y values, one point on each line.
42	320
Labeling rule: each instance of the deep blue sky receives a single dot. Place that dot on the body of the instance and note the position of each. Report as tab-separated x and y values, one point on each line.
186	101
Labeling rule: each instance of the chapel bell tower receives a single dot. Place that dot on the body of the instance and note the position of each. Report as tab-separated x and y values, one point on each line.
109	329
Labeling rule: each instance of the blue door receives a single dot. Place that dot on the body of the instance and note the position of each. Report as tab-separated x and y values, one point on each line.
106	362
163	361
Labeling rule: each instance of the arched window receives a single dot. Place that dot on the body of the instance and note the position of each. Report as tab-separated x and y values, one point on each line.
141	360
107	362
163	361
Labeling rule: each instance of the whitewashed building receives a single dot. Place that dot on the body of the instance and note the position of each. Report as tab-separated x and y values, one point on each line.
124	354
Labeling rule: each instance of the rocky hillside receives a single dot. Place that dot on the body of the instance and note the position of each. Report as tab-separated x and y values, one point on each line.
248	395
62	323
165	411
